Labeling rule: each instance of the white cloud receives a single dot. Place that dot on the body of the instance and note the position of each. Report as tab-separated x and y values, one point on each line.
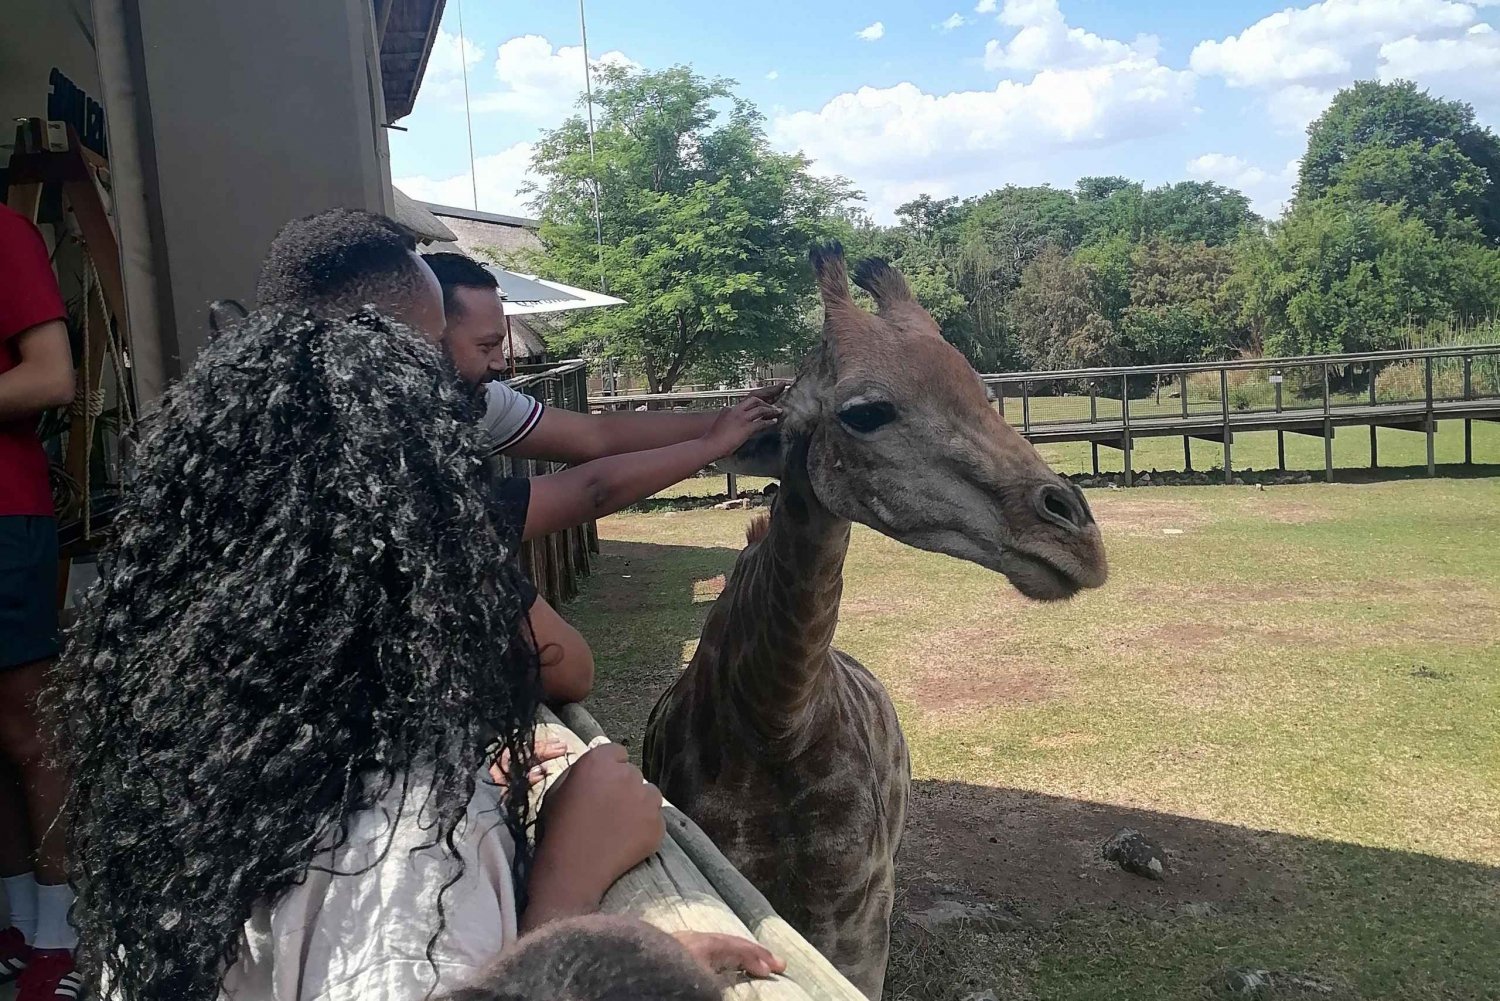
985	7
1044	40
538	81
1325	41
900	140
953	21
1268	190
1299	57
873	33
443	63
1468	64
500	177
1291	107
773	74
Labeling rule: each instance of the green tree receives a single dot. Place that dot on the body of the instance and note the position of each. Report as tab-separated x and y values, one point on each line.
1182	305
1436	183
1197	212
1351	276
705	228
1056	316
1391	116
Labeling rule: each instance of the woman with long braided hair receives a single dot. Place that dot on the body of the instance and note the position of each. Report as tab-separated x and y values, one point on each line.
277	704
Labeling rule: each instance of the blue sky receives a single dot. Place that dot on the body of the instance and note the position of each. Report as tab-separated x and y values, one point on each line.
911	96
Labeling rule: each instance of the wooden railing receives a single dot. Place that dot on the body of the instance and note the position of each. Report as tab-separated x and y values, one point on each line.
1312	395
556	562
688	885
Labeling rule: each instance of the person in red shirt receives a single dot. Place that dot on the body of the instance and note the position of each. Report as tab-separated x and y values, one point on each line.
36	374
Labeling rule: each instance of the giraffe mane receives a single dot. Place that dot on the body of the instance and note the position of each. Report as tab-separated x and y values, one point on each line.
758	527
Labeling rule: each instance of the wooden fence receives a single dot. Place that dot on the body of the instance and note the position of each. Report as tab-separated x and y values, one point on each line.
1313	395
558	561
688	885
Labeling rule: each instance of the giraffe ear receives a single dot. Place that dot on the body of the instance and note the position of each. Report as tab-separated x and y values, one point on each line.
760	456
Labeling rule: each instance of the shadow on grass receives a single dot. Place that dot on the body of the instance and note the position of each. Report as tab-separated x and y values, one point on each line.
640	610
1349	922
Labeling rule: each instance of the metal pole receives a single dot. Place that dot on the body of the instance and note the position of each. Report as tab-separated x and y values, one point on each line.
463	63
588	89
1374	429
1025	408
1224	415
1125	433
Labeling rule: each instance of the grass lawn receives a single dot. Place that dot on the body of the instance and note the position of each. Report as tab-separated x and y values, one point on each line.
1295	691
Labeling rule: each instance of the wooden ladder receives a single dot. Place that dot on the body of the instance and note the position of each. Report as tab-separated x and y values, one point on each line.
51	154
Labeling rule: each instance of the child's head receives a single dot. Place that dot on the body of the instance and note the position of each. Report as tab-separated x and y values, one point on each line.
595	958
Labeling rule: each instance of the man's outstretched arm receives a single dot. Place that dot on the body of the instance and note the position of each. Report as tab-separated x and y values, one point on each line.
567	436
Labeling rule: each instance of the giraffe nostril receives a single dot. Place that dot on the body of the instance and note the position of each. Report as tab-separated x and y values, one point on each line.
1062	506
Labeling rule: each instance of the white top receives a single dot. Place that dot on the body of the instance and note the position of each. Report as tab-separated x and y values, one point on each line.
509	415
363	935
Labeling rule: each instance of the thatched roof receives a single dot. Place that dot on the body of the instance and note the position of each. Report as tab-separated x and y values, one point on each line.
414	217
406	29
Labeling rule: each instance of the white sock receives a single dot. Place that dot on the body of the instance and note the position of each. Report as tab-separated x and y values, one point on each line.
53	930
20	893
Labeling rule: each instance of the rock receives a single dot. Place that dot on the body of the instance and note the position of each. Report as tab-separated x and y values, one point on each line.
769	490
1130	850
1239	481
738	504
945	913
1247	982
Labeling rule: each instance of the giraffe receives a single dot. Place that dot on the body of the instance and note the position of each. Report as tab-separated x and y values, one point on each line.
785	750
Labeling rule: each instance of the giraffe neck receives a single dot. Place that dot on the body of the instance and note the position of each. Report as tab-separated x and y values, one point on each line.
784	609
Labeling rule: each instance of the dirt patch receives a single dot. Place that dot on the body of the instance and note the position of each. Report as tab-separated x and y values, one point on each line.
1146	517
1293	513
951	693
979	680
1040	855
1188	634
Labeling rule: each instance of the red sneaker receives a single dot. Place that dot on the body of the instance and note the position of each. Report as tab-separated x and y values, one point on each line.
49	976
14	954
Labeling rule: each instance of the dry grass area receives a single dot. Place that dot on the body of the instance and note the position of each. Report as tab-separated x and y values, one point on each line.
1295	692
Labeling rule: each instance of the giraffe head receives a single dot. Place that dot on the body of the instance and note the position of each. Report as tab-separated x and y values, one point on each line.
899	434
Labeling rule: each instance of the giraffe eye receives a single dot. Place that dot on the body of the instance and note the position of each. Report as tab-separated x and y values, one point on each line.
866	417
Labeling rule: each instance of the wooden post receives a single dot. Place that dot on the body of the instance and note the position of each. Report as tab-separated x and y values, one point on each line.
1125	432
1431	423
1025	407
734	486
1000	398
1468	424
1374	429
1327	428
1093	418
1187	441
1224	414
1280	434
